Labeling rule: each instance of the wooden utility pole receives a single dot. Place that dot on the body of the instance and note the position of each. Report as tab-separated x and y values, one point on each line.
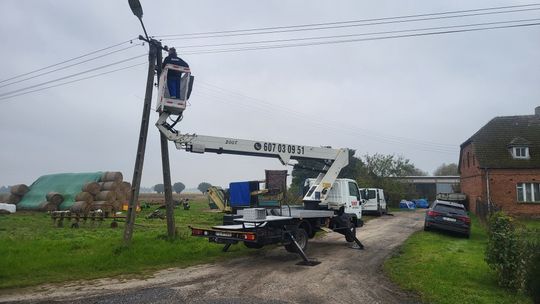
165	164
154	49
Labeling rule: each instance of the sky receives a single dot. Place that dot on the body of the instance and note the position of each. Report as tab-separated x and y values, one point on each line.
419	97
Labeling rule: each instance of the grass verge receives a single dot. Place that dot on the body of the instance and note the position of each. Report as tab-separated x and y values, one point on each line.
33	251
444	268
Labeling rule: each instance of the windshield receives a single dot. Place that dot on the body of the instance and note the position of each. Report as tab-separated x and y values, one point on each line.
449	209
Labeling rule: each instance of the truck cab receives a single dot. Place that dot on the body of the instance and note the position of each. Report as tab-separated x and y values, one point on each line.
374	200
344	192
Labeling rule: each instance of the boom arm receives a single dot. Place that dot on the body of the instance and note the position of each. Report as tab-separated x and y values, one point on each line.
336	159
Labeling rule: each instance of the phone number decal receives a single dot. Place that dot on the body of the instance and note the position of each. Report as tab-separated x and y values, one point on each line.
280	148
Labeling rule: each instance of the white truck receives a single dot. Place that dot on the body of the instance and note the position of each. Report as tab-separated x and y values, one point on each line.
290	226
374	200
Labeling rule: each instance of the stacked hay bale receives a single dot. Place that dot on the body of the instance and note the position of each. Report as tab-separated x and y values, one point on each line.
108	195
15	195
53	200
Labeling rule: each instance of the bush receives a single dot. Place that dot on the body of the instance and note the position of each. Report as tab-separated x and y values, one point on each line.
506	251
532	276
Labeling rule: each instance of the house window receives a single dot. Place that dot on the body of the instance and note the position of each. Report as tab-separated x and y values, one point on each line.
520	152
528	192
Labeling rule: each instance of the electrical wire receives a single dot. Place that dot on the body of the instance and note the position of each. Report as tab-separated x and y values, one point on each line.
340	24
215	51
68	66
68	60
72	81
359	34
72	75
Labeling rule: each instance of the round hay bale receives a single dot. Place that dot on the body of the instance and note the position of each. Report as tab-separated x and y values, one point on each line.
108	196
126	187
109	186
55	198
101	205
120	196
81	207
112	176
19	190
92	188
13	199
117	206
4	197
84	196
47	206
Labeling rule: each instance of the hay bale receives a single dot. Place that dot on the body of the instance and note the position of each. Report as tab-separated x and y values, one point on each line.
126	187
120	196
13	199
112	176
92	188
109	186
108	196
101	205
81	207
55	198
47	206
4	197
84	196
117	206
19	190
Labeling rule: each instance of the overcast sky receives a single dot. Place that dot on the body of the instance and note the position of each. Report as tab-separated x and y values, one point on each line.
419	97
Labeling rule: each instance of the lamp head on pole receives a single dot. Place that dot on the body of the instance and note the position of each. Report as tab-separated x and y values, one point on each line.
136	8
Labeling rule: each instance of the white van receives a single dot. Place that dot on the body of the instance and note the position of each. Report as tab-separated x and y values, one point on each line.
374	200
344	192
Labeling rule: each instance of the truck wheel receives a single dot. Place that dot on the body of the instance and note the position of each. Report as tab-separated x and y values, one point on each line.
301	237
379	210
253	245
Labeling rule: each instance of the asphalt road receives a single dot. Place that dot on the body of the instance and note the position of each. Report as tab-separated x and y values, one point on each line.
345	275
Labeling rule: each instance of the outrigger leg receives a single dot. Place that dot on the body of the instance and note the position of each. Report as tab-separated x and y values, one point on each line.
226	247
306	261
352	235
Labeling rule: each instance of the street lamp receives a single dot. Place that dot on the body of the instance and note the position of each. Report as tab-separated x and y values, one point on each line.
137	10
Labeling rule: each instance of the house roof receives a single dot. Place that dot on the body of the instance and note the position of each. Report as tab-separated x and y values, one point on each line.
492	143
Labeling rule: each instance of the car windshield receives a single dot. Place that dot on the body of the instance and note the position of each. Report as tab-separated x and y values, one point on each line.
449	209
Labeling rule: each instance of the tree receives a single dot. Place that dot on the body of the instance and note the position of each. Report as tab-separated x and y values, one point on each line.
159	188
178	187
383	166
445	170
203	187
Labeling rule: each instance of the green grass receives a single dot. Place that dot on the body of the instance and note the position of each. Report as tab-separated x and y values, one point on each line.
531	223
443	268
33	251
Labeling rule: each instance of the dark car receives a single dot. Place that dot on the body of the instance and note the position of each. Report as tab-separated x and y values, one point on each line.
448	216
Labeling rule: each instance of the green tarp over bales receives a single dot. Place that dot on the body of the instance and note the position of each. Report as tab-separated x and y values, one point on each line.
67	184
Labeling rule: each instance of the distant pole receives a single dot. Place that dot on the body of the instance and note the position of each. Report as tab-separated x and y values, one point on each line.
143	134
165	164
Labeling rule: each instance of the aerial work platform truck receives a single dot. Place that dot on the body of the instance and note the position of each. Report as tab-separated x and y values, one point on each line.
329	203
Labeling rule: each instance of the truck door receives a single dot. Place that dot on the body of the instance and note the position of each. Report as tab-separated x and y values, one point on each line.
353	200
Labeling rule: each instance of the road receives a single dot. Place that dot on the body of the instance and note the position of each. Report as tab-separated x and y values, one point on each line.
346	275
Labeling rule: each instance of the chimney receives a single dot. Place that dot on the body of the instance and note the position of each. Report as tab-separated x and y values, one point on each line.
537	111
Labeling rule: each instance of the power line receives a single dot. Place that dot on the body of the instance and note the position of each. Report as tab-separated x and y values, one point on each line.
71	65
66	61
341	24
360	34
72	81
70	76
352	40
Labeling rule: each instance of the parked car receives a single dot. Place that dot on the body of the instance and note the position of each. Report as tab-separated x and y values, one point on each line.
448	216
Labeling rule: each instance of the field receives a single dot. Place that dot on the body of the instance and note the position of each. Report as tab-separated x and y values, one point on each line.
34	251
444	268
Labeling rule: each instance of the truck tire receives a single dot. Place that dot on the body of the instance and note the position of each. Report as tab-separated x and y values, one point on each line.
379	210
253	245
301	237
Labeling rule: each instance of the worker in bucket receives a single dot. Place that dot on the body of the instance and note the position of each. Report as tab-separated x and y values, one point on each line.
173	77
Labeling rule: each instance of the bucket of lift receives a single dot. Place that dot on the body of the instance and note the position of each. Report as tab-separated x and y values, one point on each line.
172	104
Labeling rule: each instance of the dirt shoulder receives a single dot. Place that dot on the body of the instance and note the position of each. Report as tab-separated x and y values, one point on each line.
345	275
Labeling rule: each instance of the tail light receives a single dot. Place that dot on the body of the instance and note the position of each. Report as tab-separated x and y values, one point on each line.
433	213
249	237
197	232
465	219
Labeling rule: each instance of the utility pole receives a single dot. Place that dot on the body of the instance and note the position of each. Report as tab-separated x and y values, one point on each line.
154	64
165	164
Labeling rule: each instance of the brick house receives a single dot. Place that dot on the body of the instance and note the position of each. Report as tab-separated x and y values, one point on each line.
500	165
